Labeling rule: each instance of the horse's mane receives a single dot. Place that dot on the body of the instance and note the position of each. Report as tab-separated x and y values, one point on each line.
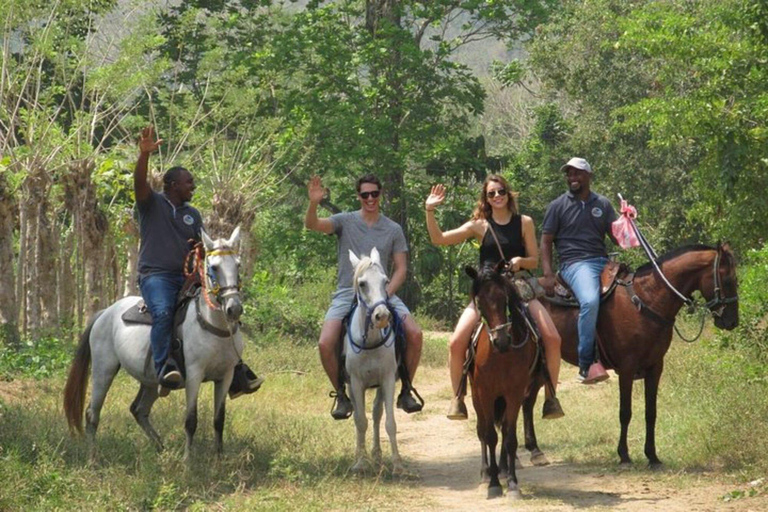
647	268
488	273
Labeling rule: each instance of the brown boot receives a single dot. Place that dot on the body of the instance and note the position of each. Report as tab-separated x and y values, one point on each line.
457	410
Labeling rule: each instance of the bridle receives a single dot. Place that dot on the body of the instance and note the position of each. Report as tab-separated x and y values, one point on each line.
507	326
221	293
387	337
717	305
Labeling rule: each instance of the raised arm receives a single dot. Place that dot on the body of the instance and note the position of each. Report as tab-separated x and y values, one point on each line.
147	145
436	235
316	192
548	281
531	259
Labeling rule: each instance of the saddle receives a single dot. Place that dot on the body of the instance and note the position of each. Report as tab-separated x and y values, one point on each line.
139	314
611	276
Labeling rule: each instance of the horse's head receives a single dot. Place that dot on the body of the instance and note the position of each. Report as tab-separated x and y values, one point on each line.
222	273
719	287
495	299
370	284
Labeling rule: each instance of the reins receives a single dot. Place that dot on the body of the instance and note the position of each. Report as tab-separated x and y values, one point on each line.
715	306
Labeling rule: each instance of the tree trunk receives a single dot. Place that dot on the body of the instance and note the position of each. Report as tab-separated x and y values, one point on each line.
9	331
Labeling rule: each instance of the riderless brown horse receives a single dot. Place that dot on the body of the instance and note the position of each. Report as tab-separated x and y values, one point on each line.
635	326
506	350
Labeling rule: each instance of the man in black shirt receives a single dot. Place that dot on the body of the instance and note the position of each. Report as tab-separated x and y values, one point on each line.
167	224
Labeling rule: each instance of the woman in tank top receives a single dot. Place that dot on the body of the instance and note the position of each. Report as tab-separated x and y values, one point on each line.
496	207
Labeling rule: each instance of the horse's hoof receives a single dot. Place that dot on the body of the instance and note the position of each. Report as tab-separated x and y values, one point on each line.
398	470
625	464
539	459
656	465
514	494
359	468
495	492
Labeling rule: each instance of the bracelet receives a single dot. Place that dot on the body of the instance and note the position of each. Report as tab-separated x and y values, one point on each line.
430	209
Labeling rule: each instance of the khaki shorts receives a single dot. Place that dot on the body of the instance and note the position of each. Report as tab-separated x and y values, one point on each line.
341	304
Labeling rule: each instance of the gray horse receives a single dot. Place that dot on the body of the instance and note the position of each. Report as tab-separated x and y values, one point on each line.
212	347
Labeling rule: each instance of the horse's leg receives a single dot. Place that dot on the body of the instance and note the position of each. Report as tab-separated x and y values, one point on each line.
491	438
652	377
192	389
378	411
103	375
625	412
531	444
388	392
510	442
141	407
357	392
220	389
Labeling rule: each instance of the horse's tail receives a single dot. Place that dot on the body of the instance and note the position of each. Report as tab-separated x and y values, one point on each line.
77	382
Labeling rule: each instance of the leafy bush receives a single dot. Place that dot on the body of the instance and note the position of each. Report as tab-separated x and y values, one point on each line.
752	331
287	305
43	357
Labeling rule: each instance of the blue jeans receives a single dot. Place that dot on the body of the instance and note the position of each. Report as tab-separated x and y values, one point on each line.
159	292
584	279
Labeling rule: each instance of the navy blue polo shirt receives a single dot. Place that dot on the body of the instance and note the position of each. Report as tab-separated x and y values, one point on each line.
165	230
579	227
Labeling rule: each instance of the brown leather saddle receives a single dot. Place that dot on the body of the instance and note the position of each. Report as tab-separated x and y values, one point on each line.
613	274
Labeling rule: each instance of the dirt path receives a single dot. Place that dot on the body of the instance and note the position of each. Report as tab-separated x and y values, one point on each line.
444	456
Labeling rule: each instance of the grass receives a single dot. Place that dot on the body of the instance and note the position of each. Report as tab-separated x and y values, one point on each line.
283	452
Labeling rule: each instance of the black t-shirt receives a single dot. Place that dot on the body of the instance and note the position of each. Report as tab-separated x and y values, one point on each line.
510	237
165	231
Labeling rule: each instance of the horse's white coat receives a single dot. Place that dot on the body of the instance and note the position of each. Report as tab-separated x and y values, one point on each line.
208	357
375	367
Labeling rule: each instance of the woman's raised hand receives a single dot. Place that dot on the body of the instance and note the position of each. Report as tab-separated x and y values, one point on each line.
436	197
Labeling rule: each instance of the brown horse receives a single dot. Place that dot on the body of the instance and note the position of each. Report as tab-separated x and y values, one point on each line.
635	324
506	351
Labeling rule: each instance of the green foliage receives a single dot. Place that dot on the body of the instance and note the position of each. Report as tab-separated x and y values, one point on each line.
47	355
289	307
752	332
671	95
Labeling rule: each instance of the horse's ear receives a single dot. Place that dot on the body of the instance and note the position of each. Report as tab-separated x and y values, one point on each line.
471	272
207	242
375	256
500	266
353	259
234	238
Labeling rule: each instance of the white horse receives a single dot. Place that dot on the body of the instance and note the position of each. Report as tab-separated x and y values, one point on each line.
212	346
369	346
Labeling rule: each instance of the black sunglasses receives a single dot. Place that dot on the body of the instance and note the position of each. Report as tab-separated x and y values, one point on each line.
374	194
498	192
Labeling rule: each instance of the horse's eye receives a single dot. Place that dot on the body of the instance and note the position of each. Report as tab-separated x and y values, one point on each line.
362	284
